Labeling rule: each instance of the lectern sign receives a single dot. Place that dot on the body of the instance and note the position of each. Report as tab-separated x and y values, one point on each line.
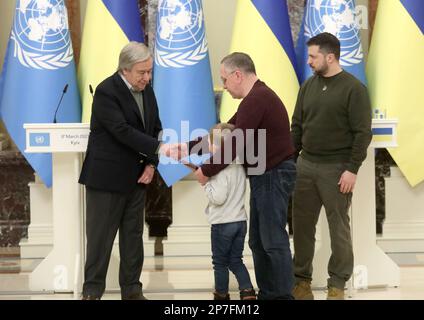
59	137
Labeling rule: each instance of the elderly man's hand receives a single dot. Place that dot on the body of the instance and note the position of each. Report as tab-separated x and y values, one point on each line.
175	151
147	175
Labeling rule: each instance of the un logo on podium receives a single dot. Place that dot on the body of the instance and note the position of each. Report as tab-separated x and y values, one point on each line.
41	34
180	39
337	17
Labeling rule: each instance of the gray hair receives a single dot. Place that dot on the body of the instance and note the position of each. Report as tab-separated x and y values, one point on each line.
131	54
239	60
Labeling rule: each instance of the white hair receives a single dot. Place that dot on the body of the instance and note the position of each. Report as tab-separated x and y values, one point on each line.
131	54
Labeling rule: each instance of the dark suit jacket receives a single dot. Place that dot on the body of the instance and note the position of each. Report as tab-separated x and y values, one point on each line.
119	146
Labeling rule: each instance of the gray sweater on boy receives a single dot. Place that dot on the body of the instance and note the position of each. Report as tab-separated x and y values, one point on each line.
225	192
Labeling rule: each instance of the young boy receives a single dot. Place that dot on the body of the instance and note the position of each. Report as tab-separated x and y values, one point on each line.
227	217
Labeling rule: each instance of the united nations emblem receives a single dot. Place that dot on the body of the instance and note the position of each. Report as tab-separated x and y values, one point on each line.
338	18
41	34
39	139
180	39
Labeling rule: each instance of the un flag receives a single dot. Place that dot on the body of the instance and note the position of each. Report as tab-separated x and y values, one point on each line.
39	63
338	18
182	76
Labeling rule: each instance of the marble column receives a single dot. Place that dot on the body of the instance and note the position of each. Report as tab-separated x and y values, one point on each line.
74	20
296	10
383	162
15	174
150	26
158	207
372	11
143	7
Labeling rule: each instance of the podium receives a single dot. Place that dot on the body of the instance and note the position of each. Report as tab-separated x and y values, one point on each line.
62	269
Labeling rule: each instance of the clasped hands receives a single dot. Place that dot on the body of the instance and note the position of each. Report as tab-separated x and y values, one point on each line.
178	151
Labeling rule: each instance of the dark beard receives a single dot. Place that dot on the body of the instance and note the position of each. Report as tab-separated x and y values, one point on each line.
321	72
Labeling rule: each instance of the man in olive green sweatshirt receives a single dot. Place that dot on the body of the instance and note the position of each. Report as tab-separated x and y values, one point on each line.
331	130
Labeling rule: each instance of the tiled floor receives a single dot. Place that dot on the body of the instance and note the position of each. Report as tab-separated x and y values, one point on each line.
188	278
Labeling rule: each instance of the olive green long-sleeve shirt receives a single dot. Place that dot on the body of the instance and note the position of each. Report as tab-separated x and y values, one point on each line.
332	120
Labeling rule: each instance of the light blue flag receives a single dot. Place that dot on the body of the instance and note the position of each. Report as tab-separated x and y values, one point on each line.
338	18
39	64
182	78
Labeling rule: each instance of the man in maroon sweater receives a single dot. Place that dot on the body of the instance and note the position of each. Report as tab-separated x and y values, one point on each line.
263	119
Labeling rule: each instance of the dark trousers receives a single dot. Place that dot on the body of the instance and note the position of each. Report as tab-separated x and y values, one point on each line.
227	254
268	238
317	186
106	213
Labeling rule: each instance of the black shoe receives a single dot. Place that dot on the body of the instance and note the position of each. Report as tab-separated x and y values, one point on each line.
248	294
219	296
90	297
135	296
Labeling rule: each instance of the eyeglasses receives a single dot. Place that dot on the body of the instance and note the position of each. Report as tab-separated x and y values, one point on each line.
224	80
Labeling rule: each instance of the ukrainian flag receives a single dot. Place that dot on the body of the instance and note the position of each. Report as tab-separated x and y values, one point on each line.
382	134
262	30
108	26
395	72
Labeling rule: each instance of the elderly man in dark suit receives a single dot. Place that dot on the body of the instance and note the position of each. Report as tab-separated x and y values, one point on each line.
121	157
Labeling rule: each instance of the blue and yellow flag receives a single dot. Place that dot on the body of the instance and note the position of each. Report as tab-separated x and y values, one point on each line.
108	26
182	77
395	72
262	30
39	64
338	18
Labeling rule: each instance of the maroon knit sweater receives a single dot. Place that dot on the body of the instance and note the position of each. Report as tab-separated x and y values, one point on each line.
260	109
